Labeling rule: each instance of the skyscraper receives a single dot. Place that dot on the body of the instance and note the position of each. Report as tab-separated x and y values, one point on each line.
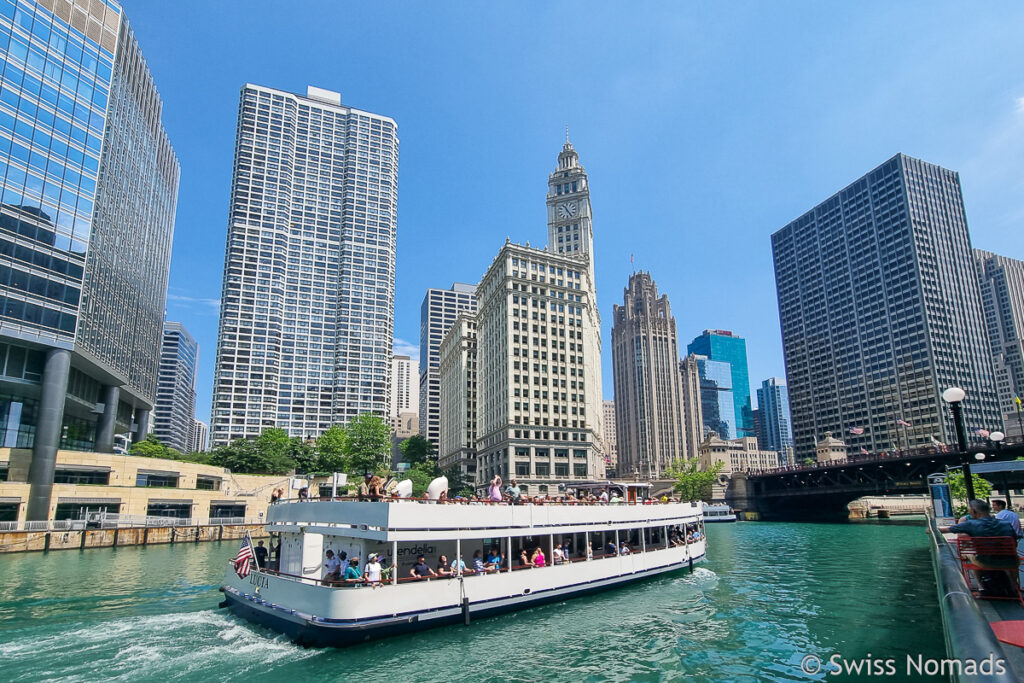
645	363
693	412
539	412
175	413
438	311
1002	296
307	306
717	402
724	346
773	405
611	448
457	384
200	435
880	311
405	395
86	222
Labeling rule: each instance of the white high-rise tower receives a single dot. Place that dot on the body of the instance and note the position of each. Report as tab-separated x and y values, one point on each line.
307	306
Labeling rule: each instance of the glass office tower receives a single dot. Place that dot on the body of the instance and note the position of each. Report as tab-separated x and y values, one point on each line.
308	299
175	413
775	432
717	400
723	345
89	188
880	311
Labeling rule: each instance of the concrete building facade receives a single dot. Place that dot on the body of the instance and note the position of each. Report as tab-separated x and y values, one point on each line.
645	365
611	449
735	455
457	372
89	192
307	307
200	436
405	395
1002	297
880	309
693	412
773	408
175	412
438	311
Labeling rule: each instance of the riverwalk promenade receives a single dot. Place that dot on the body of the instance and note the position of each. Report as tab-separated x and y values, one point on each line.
79	535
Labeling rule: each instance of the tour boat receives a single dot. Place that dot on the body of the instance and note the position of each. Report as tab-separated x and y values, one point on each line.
718	512
292	596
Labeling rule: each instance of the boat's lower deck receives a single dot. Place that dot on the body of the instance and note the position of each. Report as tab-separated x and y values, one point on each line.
392	610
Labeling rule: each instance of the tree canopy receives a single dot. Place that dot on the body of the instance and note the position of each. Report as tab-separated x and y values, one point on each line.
368	444
417	449
693	483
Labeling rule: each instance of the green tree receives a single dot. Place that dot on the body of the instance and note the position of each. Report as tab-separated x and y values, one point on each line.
330	450
693	483
303	453
368	443
150	447
458	485
274	446
958	490
417	449
421	475
244	457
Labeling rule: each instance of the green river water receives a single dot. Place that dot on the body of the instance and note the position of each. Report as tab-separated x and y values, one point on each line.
770	594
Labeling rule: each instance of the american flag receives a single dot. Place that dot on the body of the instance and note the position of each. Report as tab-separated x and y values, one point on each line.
243	558
981	432
903	423
856	430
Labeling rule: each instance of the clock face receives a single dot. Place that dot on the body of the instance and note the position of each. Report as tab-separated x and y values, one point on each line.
567	209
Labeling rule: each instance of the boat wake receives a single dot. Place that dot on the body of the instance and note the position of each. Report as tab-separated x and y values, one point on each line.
157	647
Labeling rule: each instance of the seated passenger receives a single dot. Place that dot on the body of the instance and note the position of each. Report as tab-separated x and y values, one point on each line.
523	559
332	568
604	497
442	566
457	566
494	558
478	562
375	487
610	548
352	573
421	570
624	549
538	559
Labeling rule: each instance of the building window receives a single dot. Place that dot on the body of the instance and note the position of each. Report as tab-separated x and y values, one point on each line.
157	480
225	510
522	469
9	512
579	470
169	509
82	510
4	469
543	469
82	475
208	483
561	469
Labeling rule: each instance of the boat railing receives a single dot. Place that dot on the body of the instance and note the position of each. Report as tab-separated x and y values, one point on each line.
467	572
464	501
118	521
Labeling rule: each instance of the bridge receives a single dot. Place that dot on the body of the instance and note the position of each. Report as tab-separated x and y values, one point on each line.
823	491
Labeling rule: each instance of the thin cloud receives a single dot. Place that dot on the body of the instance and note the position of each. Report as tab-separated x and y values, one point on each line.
1020	105
197	300
404	348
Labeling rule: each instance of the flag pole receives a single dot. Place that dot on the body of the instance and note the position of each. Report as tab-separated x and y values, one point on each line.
252	549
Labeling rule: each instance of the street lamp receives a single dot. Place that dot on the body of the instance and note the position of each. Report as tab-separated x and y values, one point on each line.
954	396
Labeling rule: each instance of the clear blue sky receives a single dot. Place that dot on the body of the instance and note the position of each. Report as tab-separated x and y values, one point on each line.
703	127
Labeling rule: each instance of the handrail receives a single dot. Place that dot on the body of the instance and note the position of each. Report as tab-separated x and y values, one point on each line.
968	634
504	569
462	501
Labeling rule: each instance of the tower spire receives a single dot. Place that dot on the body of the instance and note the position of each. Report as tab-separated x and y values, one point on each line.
567	132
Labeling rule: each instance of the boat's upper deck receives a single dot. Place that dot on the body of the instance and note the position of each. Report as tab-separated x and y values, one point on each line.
399	520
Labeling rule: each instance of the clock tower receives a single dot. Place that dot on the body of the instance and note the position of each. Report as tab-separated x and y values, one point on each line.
569	217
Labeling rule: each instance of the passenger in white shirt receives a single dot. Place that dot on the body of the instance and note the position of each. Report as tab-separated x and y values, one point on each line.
332	568
372	570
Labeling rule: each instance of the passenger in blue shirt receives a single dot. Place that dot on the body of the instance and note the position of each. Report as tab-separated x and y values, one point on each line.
981	523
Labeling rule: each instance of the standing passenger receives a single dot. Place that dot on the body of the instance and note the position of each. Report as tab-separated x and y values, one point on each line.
494	493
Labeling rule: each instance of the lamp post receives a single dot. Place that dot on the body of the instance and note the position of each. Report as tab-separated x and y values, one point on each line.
954	396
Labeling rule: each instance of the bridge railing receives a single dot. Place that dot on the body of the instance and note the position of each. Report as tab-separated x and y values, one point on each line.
854	460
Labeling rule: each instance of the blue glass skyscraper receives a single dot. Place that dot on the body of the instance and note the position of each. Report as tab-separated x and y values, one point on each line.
717	400
88	190
722	345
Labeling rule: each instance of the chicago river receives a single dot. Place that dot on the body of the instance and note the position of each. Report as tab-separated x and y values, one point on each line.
770	595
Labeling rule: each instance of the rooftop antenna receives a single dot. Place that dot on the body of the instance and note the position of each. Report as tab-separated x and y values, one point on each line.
567	132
